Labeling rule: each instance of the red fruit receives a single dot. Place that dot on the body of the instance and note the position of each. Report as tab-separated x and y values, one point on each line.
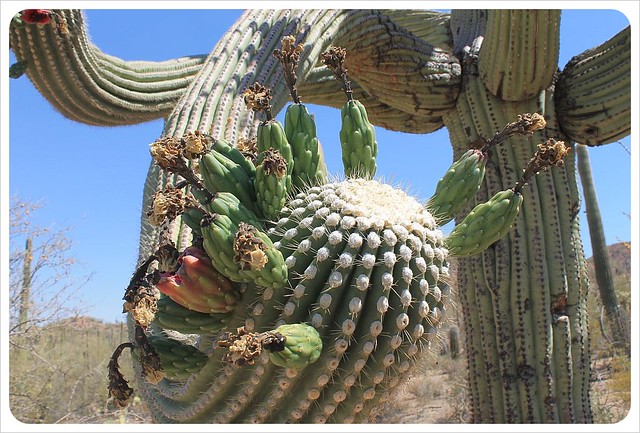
196	285
36	16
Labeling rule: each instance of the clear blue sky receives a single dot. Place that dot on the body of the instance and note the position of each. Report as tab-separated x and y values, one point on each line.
91	178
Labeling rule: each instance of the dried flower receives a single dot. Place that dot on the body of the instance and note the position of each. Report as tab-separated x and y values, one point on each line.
289	57
143	304
167	153
249	148
274	162
167	204
248	249
36	16
334	59
149	358
119	389
258	98
549	154
243	347
195	144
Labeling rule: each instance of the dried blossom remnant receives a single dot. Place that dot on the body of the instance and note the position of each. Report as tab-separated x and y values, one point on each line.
167	205
532	122
549	154
195	144
149	358
143	304
274	162
249	148
167	153
167	256
273	341
244	347
334	59
258	98
289	57
526	124
248	249
119	389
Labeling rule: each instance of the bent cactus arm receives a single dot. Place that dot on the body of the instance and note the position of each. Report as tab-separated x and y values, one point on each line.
89	86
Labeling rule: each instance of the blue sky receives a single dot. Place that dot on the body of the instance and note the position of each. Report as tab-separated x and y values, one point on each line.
91	178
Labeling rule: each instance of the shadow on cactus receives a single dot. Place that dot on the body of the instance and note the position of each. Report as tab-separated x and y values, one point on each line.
302	299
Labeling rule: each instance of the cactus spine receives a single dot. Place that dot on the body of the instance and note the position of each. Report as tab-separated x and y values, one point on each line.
524	306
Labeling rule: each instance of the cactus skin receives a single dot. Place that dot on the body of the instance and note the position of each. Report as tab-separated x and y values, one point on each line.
17	70
358	140
486	223
459	185
300	129
302	346
509	331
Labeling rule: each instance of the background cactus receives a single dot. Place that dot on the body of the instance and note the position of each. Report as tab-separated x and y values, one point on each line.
527	291
600	256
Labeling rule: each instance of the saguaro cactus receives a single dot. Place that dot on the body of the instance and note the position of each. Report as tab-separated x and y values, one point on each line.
523	299
600	255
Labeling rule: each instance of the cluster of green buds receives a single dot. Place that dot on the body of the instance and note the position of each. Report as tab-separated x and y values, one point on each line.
327	290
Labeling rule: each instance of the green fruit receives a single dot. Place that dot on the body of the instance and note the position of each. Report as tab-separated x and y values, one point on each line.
302	346
485	224
358	139
300	128
179	360
459	185
271	135
234	155
221	174
242	253
173	316
270	183
228	204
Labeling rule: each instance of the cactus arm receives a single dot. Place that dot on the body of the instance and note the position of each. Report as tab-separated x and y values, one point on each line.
402	70
594	92
91	87
602	266
429	26
526	43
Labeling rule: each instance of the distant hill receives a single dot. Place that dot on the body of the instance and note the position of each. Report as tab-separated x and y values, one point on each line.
619	260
